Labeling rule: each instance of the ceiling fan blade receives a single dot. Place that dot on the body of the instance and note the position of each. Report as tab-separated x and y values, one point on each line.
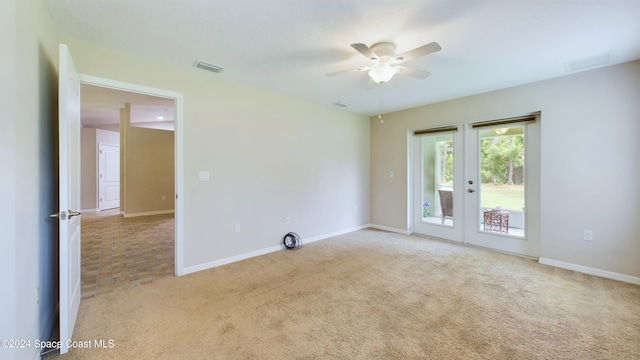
341	72
418	52
366	68
364	50
416	73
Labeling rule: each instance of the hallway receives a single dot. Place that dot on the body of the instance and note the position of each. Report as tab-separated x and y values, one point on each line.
120	252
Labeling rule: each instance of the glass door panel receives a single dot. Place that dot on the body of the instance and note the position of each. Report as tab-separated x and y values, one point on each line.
501	185
435	165
437	179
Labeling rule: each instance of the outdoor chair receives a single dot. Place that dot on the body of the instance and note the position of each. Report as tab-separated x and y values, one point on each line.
446	203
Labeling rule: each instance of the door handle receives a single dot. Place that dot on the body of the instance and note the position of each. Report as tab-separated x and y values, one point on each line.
471	191
64	215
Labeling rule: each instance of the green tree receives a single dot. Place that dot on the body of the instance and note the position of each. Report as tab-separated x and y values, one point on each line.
446	162
500	157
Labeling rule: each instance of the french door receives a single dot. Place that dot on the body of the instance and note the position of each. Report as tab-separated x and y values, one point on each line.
479	184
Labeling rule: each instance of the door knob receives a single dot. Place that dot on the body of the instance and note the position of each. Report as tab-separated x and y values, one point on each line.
471	190
64	215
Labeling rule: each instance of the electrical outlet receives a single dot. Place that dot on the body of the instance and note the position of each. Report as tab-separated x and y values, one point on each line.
391	174
587	235
164	197
237	228
287	220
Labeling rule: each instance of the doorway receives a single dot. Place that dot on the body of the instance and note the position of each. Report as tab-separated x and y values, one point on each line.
173	193
478	184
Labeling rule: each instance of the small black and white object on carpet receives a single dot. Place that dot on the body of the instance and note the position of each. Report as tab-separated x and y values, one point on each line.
292	241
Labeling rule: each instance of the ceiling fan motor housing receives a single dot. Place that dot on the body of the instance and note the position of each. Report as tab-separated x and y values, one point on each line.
384	50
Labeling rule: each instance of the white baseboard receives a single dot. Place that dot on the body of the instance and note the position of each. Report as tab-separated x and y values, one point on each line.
88	210
232	259
590	271
229	260
161	212
336	233
392	229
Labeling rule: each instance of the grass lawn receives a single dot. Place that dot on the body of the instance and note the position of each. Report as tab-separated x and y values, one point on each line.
508	196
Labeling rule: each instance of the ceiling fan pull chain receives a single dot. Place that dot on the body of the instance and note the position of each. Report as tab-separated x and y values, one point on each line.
380	106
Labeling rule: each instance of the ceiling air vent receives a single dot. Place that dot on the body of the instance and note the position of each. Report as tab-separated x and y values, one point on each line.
210	67
590	62
342	104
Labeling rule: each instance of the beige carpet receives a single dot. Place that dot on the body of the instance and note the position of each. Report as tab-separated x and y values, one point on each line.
369	295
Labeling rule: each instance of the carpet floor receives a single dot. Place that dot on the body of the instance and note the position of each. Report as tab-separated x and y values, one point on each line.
368	295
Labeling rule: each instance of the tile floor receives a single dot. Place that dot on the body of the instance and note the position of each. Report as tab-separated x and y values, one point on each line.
120	252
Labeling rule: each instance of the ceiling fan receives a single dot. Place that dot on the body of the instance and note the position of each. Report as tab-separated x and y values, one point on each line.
386	64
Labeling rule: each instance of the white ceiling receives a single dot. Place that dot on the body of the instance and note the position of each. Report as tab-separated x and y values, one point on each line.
101	108
288	46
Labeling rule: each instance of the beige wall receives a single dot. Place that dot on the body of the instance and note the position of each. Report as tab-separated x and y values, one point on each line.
589	161
90	138
269	156
28	180
88	168
149	171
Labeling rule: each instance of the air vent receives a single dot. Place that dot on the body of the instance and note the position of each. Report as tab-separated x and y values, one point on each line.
590	62
210	67
342	104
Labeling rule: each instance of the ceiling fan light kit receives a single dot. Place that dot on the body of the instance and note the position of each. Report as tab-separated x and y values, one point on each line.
382	73
385	62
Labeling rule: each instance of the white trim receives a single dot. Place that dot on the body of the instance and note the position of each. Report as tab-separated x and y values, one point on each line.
88	210
392	229
179	150
590	271
335	233
148	213
232	259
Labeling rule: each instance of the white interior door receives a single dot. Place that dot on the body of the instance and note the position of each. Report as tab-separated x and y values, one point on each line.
69	162
108	176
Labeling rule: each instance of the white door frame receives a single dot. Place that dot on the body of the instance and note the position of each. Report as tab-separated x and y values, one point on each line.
179	150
